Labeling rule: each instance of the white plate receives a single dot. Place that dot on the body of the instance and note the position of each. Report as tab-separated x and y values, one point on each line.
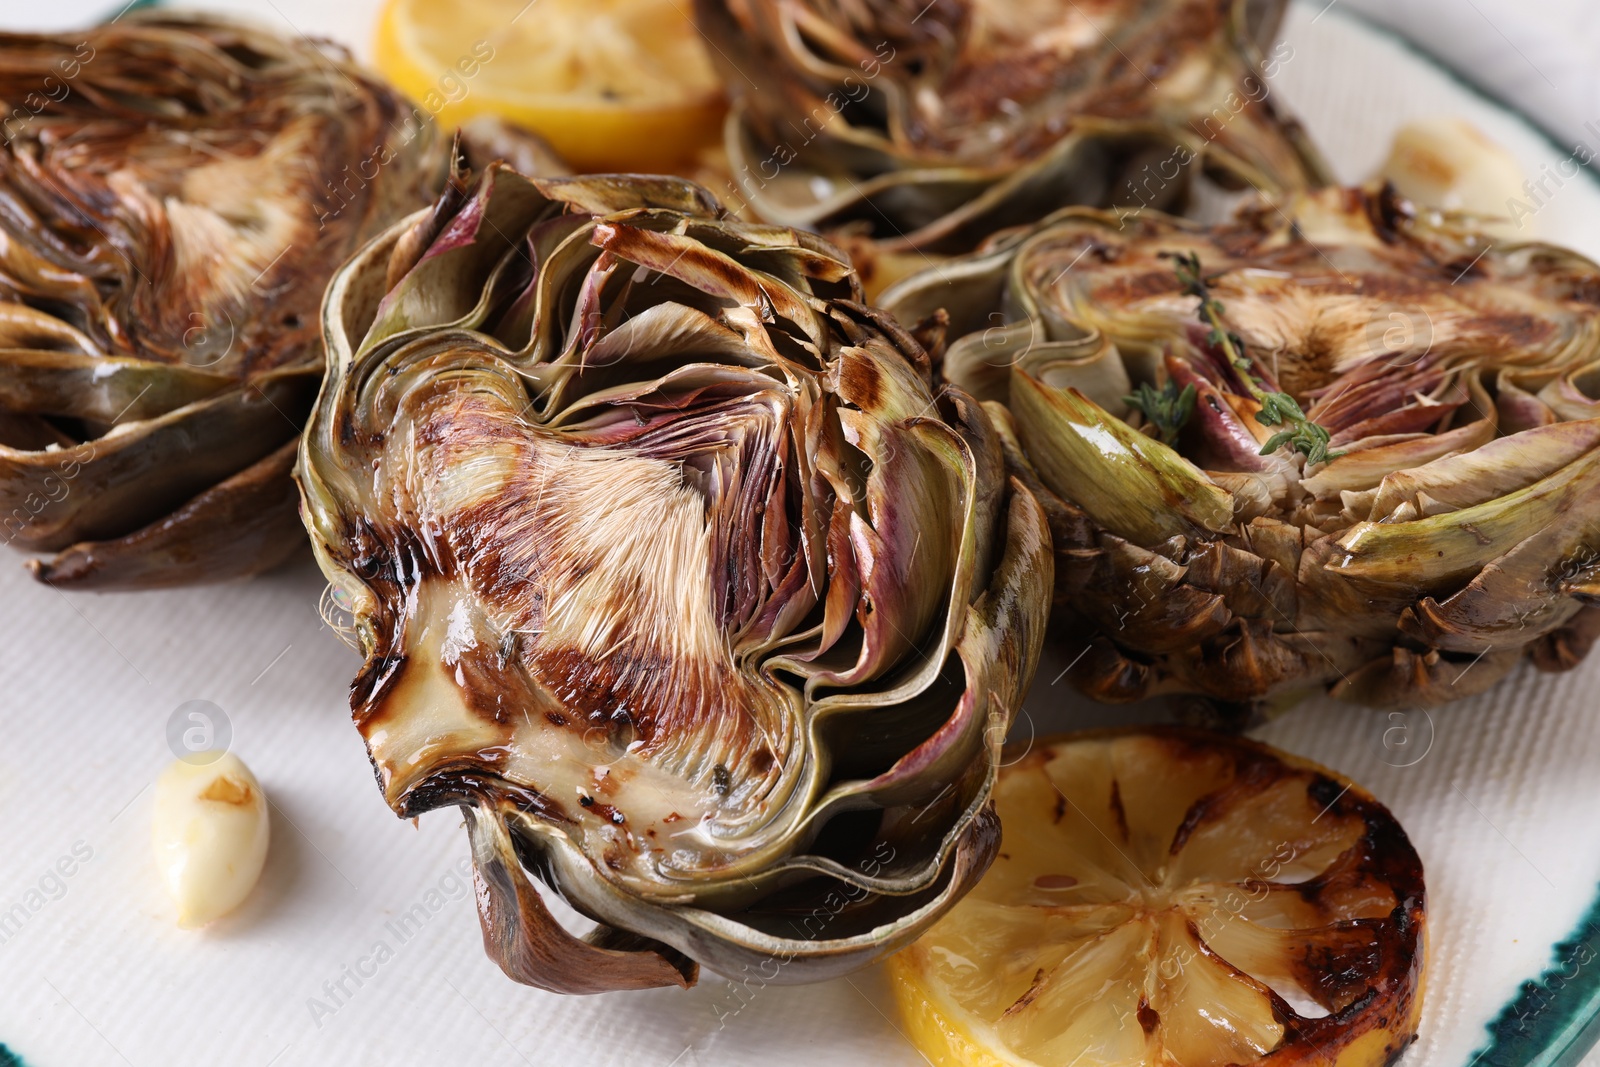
361	947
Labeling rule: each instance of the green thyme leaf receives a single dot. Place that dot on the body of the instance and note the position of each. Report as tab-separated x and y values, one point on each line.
1277	408
1167	408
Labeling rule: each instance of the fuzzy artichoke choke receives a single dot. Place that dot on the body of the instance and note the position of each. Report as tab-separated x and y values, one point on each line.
1450	531
671	568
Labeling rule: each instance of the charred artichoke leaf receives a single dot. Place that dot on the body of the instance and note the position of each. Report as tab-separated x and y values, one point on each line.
666	555
929	127
246	522
93	490
170	218
1455	378
533	946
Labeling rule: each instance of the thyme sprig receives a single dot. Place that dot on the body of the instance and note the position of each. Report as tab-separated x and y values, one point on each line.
1166	408
1299	433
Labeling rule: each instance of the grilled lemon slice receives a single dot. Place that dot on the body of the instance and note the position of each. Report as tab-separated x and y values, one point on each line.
613	85
1175	897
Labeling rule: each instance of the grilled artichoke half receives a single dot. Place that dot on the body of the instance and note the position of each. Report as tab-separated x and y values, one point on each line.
674	571
1455	528
174	194
928	126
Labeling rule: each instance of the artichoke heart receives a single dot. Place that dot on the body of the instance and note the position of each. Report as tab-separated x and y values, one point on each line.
669	564
174	193
1447	523
911	127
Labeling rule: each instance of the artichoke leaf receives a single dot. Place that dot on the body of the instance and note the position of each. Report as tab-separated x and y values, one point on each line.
1366	468
1519	596
1430	553
916	466
607	194
1224	433
848	927
25	328
711	272
1573	396
246	524
924	466
93	490
1494	469
1365	464
447	284
1146	601
1251	657
1092	367
1564	648
532	947
981	362
1133	485
1519	409
101	389
998	648
951	209
665	331
967	289
1408	680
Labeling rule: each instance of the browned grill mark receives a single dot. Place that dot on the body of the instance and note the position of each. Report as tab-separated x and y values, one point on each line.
861	383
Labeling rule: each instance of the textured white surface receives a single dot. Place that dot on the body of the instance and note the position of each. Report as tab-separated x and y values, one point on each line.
97	974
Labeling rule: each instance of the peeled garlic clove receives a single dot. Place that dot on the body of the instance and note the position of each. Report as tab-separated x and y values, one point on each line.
1449	163
210	835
